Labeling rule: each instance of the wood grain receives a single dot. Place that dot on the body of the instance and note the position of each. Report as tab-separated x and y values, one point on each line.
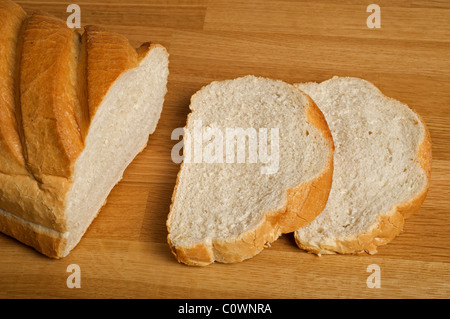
124	254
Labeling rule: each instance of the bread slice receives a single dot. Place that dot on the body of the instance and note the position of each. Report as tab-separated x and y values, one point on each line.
85	106
228	210
382	167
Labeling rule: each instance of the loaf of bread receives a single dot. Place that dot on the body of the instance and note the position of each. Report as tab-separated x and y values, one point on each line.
228	209
74	112
382	167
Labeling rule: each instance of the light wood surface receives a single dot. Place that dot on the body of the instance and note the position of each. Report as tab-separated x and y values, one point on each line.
124	253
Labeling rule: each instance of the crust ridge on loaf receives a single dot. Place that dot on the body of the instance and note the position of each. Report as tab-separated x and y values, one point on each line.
196	238
11	153
382	168
63	115
48	99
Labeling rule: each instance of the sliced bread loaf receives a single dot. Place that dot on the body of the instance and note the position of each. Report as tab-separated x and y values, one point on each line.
228	210
382	166
74	112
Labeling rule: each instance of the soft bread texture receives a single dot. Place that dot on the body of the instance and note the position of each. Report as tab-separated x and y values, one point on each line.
382	167
77	110
228	212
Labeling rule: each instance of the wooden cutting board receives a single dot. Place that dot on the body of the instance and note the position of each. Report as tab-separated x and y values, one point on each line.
124	254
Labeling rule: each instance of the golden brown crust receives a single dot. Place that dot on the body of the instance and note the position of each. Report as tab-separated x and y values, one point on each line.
49	243
26	198
198	255
388	225
48	97
303	203
11	153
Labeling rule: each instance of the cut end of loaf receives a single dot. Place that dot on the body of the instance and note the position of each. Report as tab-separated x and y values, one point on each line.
123	122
